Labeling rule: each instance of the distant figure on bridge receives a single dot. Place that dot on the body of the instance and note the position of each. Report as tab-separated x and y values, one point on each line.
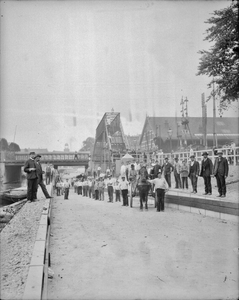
30	169
40	177
206	173
76	156
48	174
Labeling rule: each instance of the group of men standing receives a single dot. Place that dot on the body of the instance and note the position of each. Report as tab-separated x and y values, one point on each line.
183	171
35	173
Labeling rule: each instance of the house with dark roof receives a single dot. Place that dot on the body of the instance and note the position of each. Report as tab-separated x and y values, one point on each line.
170	133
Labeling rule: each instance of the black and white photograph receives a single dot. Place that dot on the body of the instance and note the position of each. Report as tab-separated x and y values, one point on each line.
119	150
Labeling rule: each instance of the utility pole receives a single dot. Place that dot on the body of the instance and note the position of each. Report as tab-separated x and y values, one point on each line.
214	119
204	120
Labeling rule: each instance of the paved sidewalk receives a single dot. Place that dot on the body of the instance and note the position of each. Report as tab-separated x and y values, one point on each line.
232	189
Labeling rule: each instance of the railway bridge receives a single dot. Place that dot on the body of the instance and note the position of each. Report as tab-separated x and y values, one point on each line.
12	162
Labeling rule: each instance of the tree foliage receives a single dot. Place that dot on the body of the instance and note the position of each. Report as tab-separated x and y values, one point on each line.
221	62
3	145
14	147
88	144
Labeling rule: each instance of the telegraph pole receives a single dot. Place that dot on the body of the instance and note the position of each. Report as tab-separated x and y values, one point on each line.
214	119
204	120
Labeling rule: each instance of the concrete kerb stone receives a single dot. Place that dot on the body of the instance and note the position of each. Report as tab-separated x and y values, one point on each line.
183	197
37	270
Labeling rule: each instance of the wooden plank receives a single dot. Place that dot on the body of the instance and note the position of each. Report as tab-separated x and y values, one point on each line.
33	288
38	255
41	233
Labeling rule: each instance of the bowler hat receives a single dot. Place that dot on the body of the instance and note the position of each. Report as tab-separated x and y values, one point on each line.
31	153
38	155
192	156
204	153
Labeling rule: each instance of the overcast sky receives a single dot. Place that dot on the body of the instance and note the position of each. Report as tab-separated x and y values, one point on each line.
65	63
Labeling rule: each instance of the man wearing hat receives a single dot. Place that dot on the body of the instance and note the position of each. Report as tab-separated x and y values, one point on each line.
167	169
206	173
39	175
176	171
30	169
193	173
220	171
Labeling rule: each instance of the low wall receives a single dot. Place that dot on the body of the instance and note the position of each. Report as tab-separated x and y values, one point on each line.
203	205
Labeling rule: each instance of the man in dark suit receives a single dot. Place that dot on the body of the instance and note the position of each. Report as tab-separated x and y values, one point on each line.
30	169
206	173
193	173
156	169
40	177
168	169
220	171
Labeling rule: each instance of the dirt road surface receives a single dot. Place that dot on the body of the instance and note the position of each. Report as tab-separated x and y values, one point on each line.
102	250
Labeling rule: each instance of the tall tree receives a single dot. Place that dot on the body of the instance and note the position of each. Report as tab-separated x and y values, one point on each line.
221	62
3	145
14	147
88	144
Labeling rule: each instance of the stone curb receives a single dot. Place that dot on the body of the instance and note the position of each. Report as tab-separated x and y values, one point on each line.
36	284
203	205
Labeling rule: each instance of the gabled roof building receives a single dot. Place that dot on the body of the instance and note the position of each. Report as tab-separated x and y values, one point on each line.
168	133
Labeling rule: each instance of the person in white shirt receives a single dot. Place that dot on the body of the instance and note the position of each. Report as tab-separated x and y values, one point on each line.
98	171
90	182
66	189
117	190
124	185
123	169
110	188
161	186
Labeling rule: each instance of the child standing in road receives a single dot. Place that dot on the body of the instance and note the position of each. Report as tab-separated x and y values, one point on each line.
124	185
67	188
117	190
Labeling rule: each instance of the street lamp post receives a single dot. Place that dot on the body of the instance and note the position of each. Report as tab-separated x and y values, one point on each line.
170	133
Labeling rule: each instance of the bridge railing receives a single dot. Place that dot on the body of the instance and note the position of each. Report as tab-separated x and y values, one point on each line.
51	157
232	155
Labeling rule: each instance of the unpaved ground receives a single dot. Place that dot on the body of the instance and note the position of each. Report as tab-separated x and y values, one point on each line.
17	243
101	250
